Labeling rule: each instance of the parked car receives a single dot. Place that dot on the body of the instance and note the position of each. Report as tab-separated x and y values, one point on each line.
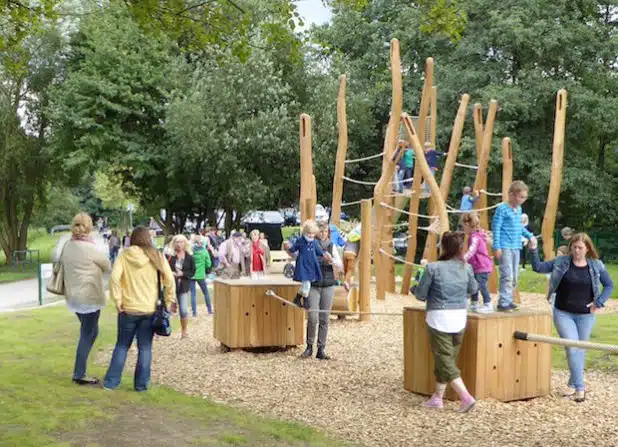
320	213
291	217
400	244
268	217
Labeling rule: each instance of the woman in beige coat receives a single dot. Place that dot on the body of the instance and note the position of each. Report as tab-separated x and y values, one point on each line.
84	265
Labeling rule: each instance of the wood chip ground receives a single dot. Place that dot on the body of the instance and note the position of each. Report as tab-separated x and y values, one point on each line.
358	395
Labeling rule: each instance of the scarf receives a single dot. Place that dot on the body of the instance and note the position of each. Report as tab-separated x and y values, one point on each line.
83	238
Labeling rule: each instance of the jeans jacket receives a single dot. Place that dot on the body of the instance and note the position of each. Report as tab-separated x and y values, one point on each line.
446	285
602	284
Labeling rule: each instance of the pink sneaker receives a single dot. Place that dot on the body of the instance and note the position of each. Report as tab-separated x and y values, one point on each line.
433	402
467	405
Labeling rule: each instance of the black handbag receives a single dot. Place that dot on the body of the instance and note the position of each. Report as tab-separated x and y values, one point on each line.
161	324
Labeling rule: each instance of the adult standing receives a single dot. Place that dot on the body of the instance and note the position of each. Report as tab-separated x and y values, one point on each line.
114	246
259	256
321	295
232	257
581	285
202	265
84	265
134	290
183	266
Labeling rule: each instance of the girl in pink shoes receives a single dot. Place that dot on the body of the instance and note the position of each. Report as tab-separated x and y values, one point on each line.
478	257
445	287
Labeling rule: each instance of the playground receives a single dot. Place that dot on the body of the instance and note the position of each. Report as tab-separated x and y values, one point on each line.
359	395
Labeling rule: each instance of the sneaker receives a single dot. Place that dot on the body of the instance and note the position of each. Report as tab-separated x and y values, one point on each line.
433	402
474	307
307	353
514	306
486	309
506	308
580	396
321	355
466	405
567	392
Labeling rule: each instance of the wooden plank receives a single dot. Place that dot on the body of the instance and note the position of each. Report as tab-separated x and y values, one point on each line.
342	150
364	273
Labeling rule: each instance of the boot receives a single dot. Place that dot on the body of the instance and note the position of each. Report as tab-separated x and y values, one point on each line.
321	355
308	352
298	300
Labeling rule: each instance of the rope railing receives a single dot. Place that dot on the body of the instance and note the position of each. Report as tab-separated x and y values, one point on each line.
454	211
357	202
397	258
358	160
359	182
272	294
386	205
461	165
495	194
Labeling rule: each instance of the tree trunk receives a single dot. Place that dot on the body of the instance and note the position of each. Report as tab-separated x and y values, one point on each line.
228	221
168	228
211	217
601	159
237	220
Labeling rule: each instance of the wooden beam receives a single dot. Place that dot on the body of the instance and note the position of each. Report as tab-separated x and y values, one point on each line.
551	208
483	163
478	129
507	166
342	150
306	166
434	115
364	263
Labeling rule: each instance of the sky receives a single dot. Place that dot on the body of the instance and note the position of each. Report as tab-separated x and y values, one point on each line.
313	12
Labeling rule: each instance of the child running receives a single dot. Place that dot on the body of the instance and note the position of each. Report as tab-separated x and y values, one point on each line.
445	286
508	230
307	267
478	257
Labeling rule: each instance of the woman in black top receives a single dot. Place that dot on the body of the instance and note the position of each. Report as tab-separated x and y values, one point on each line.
183	266
581	285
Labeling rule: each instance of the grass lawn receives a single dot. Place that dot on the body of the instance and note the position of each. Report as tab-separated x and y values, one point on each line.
37	240
42	407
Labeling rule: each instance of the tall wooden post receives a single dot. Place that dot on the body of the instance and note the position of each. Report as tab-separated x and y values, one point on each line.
415	200
551	208
434	115
431	250
342	149
314	197
481	177
507	166
426	171
364	262
306	167
478	129
384	266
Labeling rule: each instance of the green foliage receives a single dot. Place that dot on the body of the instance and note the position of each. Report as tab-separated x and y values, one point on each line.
58	208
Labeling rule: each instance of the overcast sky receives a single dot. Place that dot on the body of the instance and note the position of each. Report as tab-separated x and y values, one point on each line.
313	12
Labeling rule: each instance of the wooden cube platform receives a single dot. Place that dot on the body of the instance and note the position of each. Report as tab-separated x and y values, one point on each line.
492	362
246	318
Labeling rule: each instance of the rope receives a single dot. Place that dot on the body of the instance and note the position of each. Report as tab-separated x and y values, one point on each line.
461	165
565	342
495	194
454	211
386	205
357	160
360	182
351	203
397	258
271	293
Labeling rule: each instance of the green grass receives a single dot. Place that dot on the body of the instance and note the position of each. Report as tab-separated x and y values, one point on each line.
41	406
289	231
38	239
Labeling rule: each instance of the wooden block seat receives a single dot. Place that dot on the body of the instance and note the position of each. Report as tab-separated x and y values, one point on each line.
492	362
246	318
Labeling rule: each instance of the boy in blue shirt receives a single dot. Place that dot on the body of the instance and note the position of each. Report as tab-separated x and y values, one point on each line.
431	155
467	201
507	231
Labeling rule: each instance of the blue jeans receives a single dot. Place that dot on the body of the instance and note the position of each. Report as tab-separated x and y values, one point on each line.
509	271
87	335
204	287
113	254
481	279
575	327
183	305
130	327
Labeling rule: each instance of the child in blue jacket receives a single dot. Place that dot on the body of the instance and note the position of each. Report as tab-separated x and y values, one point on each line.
307	269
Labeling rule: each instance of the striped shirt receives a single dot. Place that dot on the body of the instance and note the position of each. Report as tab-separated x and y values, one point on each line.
507	228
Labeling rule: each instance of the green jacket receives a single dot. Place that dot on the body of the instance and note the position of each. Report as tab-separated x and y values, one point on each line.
202	262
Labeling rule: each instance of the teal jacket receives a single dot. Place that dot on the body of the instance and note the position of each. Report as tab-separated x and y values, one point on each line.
202	262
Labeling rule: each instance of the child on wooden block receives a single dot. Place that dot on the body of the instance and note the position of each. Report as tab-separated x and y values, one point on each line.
445	287
478	257
507	231
307	267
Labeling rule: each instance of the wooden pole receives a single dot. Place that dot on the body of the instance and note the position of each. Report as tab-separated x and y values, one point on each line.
478	129
306	166
364	263
384	266
431	249
426	99
434	114
314	197
342	149
426	172
551	208
507	166
415	200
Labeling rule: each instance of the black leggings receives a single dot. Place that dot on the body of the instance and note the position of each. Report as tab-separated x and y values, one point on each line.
523	257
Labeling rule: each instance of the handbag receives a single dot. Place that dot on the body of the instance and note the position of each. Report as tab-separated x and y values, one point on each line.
56	282
161	324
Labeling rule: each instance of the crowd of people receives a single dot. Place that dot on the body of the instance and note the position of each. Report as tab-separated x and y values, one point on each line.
578	285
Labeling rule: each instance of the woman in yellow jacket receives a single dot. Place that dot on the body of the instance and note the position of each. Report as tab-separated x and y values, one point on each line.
133	289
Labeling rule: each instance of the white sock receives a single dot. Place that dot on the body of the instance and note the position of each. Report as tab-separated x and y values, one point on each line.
461	389
440	389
